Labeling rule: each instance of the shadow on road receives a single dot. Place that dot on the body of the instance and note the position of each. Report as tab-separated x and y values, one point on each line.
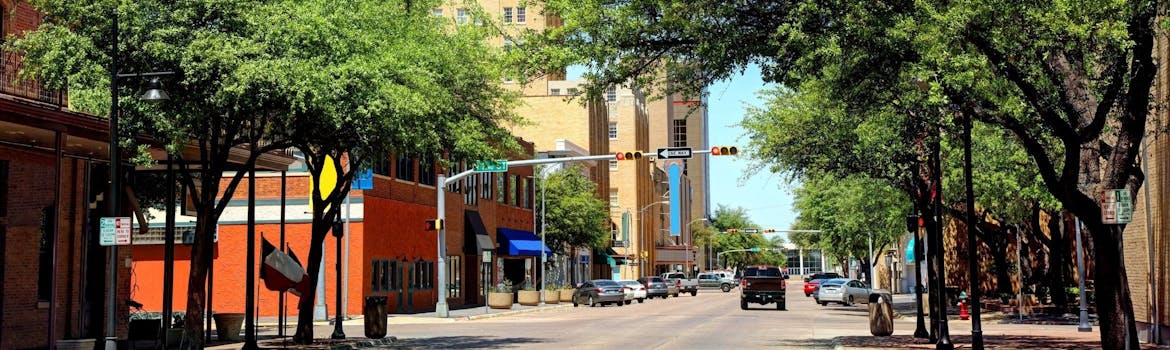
462	342
991	342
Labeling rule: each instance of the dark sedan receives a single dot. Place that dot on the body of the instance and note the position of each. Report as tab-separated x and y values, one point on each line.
597	292
655	287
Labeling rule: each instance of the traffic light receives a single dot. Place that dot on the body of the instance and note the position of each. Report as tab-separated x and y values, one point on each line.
434	224
724	150
768	230
732	230
629	155
912	223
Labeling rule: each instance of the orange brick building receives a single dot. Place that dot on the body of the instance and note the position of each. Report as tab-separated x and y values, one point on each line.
389	251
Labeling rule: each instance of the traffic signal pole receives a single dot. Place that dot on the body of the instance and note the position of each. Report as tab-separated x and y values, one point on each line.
442	310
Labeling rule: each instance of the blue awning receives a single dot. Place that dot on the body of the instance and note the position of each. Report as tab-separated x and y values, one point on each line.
519	243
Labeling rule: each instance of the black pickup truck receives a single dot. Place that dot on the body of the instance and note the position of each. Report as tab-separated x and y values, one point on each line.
763	285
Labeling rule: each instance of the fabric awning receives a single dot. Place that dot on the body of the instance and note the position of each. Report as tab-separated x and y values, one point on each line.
475	236
520	243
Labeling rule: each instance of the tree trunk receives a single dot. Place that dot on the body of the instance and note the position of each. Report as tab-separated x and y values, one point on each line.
201	256
1058	261
1003	277
1114	307
304	334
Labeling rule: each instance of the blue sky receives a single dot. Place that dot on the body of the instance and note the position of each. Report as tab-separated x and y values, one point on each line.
766	196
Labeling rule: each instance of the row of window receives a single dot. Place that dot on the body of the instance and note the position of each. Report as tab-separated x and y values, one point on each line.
473	187
387	275
517	15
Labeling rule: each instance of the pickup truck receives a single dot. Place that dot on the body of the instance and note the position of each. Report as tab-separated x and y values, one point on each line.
724	283
684	284
763	285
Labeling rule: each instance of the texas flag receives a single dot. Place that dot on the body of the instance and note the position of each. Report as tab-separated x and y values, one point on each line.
280	271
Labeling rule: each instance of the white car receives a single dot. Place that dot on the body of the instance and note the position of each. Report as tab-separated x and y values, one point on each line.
633	290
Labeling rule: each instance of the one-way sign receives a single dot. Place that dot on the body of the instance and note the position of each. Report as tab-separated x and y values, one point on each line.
674	153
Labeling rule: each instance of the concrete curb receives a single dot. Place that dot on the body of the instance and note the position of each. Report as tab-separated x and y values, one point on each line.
517	312
365	344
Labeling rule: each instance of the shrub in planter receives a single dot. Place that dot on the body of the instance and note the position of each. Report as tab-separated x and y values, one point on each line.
500	297
528	296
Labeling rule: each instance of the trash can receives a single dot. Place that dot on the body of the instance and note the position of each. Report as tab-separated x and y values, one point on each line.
375	317
881	314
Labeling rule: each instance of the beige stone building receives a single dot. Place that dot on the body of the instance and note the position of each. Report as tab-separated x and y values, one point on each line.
681	121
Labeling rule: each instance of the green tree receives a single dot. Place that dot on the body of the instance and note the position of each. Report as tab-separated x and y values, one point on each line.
575	216
330	79
1069	80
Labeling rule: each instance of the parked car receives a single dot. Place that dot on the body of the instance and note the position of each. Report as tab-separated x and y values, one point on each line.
842	290
822	276
656	287
763	285
601	292
716	280
684	284
634	290
811	286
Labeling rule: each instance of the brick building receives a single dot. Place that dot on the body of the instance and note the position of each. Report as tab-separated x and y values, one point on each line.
53	171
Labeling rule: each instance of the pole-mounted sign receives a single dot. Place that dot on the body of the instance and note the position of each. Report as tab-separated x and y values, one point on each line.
491	166
674	153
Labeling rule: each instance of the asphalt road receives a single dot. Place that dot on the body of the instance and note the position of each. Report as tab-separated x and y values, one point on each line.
711	320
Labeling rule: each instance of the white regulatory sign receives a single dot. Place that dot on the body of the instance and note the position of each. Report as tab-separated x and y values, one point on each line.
115	231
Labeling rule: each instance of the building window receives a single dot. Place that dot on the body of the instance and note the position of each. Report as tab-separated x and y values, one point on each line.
507	15
521	15
524	192
457	186
471	183
573	91
611	94
461	16
437	12
426	171
613	165
455	276
404	168
422	274
486	180
613	200
554	92
512	190
381	166
500	194
679	133
613	131
44	275
385	276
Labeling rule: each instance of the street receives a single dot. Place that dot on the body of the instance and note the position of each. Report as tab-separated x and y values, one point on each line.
711	320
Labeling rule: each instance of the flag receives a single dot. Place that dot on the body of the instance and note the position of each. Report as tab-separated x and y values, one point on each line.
303	285
280	271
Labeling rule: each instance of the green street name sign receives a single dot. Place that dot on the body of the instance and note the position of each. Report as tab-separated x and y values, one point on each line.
491	166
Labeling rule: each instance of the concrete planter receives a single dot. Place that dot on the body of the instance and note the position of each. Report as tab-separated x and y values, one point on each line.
567	295
75	344
227	325
552	297
528	297
499	300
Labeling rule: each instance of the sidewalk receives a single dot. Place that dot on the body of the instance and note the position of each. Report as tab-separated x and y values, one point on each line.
267	327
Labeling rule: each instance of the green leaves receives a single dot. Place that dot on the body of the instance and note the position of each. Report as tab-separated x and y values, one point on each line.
574	216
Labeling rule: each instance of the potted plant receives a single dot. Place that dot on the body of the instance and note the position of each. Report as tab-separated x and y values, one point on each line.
552	294
567	292
500	297
528	296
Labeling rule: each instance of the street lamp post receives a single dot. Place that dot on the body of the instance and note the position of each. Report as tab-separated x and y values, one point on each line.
687	244
543	255
972	255
154	93
642	233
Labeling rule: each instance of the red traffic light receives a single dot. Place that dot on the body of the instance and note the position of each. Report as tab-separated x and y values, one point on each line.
724	150
620	156
628	155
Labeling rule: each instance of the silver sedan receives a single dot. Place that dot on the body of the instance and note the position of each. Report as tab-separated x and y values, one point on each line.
596	292
841	290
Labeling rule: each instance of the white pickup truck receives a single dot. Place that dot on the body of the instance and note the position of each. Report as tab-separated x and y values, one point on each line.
684	284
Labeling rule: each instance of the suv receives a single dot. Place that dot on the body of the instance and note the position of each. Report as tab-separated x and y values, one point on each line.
822	276
655	287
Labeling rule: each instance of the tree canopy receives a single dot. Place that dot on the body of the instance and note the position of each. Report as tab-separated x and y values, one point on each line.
573	216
